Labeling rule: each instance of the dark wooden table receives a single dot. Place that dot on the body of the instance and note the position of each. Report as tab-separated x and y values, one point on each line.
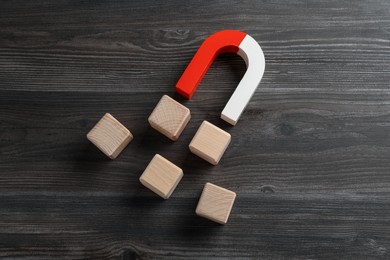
309	159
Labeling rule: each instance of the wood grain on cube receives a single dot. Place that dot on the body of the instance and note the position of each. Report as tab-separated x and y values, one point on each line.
161	176
110	136
215	203
169	117
210	142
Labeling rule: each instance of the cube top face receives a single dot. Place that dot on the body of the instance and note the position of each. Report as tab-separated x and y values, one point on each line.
169	117
161	176
110	136
215	203
210	142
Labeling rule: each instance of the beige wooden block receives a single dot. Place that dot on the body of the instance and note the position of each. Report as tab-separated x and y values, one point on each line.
215	203
169	117
110	136
210	142
161	176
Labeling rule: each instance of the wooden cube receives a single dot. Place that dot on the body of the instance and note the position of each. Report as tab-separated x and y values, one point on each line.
169	117
161	176
215	203
210	142
110	136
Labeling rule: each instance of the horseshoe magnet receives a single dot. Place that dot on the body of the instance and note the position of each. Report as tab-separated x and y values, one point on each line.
222	42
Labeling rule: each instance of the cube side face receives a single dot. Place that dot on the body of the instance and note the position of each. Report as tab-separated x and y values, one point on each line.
161	176
215	203
203	155
210	142
169	117
183	124
110	136
121	147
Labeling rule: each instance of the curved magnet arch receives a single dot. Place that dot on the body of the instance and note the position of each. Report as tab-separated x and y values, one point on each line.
221	42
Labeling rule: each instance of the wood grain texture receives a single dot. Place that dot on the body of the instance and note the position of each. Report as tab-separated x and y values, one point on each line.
215	203
169	117
210	142
161	176
110	136
309	158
